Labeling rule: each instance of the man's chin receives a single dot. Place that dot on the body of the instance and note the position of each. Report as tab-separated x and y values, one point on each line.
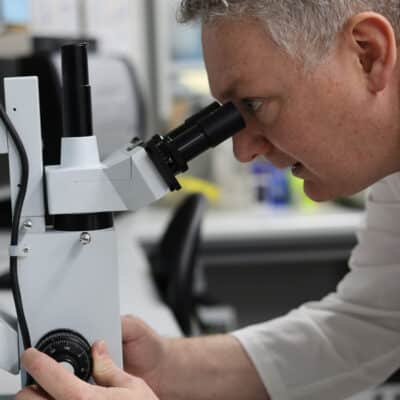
319	193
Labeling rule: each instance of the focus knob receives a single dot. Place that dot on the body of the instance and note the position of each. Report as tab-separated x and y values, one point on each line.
70	349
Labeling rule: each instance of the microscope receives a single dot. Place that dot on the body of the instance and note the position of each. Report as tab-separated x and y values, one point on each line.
65	275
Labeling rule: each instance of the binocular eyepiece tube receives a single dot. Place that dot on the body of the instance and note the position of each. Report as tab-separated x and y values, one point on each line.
202	131
170	153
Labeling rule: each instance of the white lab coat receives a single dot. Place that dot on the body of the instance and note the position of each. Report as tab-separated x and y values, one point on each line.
350	340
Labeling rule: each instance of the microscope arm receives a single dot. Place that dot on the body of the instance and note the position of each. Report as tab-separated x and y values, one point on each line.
21	95
8	324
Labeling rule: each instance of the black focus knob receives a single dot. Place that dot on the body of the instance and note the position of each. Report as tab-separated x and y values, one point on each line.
69	348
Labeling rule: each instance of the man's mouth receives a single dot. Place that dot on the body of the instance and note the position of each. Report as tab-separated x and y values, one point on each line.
297	168
296	165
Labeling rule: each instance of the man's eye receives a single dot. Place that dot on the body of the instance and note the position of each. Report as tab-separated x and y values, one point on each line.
252	105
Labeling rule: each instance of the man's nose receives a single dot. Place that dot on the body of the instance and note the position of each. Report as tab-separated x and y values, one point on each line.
247	146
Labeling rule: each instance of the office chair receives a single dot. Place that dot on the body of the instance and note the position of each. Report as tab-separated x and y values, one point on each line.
176	270
174	262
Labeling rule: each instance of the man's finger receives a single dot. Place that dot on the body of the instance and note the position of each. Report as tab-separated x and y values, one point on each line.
32	393
106	373
52	376
133	329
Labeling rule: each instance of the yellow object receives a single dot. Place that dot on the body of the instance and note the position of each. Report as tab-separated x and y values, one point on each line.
299	198
191	184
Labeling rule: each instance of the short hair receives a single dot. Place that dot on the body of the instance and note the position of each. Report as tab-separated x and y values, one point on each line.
306	29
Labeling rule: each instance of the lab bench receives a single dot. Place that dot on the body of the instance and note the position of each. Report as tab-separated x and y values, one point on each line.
266	261
279	257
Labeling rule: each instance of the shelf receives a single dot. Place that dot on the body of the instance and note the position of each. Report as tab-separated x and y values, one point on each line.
257	223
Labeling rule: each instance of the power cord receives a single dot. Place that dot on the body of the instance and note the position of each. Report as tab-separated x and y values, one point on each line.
23	185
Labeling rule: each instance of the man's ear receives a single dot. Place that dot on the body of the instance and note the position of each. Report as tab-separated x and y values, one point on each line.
374	41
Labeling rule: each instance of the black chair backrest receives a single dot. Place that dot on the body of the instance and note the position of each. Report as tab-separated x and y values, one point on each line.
174	263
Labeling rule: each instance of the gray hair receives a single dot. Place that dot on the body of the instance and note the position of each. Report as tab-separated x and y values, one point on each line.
306	29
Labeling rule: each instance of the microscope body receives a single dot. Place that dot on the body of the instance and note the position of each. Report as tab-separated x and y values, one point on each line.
68	272
68	279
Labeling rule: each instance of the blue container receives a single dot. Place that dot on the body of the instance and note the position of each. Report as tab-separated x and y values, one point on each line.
270	184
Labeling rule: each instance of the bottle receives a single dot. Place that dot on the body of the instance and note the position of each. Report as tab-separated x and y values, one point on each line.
232	177
270	184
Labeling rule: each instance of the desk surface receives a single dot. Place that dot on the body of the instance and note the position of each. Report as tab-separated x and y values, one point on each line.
138	295
259	222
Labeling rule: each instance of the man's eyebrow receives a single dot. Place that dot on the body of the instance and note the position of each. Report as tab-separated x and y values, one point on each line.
229	92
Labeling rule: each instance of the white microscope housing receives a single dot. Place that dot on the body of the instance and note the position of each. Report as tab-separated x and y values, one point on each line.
68	272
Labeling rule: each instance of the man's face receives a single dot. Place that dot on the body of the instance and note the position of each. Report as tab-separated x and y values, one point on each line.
334	133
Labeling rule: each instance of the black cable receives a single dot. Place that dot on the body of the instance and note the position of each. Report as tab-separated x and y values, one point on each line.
23	185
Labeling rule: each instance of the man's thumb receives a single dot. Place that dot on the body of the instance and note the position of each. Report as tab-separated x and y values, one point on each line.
105	372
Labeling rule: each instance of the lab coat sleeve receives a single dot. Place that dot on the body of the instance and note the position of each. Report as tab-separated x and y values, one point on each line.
350	340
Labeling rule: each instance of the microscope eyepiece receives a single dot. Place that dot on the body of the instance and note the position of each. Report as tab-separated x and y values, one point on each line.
208	128
209	131
77	105
201	114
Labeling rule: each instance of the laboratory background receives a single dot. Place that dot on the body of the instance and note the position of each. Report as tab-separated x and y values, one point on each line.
239	243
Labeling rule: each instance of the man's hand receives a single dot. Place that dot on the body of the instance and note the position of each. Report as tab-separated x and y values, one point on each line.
145	352
59	384
212	367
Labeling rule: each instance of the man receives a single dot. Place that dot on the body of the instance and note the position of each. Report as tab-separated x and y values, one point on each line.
318	83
